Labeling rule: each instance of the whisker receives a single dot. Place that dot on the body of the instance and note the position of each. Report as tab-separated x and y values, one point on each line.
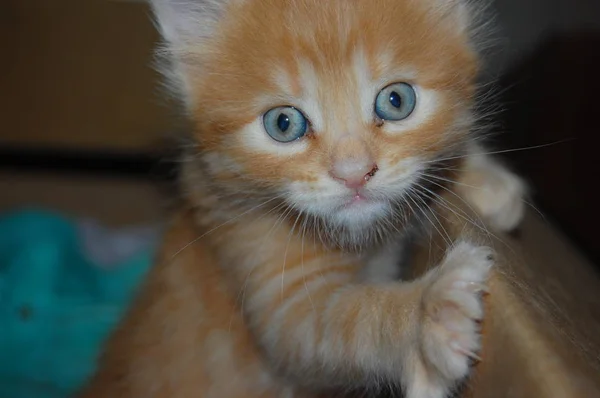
303	227
426	216
539	212
242	292
447	237
501	151
221	225
287	246
481	225
425	177
456	211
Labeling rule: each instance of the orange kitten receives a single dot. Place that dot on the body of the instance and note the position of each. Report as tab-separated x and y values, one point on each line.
323	131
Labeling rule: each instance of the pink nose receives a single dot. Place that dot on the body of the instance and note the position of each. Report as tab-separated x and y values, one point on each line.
353	173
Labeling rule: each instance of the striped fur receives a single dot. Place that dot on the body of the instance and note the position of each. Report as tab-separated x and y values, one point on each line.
282	281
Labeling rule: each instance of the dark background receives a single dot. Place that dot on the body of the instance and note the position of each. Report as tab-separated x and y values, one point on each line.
551	100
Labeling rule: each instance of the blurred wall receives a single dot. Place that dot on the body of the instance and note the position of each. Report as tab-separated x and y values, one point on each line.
525	24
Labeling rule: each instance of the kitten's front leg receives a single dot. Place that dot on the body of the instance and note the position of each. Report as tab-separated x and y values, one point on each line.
495	191
452	308
321	330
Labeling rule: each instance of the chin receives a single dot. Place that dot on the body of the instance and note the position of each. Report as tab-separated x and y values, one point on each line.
360	215
352	221
358	225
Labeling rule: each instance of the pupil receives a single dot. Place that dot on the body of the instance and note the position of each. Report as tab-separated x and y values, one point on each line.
283	122
395	99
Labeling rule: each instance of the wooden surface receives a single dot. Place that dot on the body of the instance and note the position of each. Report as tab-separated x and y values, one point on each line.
77	74
542	325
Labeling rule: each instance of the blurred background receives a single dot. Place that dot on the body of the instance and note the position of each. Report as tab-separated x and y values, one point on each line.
87	155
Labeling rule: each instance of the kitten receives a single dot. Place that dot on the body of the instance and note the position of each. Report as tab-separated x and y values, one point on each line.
324	132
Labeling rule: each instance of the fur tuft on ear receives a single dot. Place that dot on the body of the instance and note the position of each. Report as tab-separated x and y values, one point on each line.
185	26
457	12
471	18
181	21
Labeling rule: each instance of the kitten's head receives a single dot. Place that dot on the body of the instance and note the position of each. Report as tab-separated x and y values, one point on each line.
340	108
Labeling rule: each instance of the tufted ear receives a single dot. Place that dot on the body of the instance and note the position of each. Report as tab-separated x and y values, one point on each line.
181	21
184	25
469	17
458	12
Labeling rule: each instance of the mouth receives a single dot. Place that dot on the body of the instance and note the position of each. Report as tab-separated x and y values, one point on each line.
358	199
361	208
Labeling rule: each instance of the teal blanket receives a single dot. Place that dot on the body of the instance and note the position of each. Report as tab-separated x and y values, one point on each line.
64	285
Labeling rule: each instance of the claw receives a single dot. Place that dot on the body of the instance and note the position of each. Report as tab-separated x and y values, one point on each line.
475	287
456	347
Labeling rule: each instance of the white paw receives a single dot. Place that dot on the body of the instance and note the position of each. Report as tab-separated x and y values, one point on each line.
452	311
501	200
496	193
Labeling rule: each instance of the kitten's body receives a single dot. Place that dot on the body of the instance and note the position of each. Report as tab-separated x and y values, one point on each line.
281	277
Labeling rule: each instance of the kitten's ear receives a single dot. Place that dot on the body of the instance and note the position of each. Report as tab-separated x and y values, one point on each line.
185	26
459	12
183	21
469	17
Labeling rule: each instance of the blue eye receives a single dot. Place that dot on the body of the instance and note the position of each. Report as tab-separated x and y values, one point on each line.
396	102
285	124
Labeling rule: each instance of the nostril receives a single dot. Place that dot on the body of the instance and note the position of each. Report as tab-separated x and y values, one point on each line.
356	179
371	173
